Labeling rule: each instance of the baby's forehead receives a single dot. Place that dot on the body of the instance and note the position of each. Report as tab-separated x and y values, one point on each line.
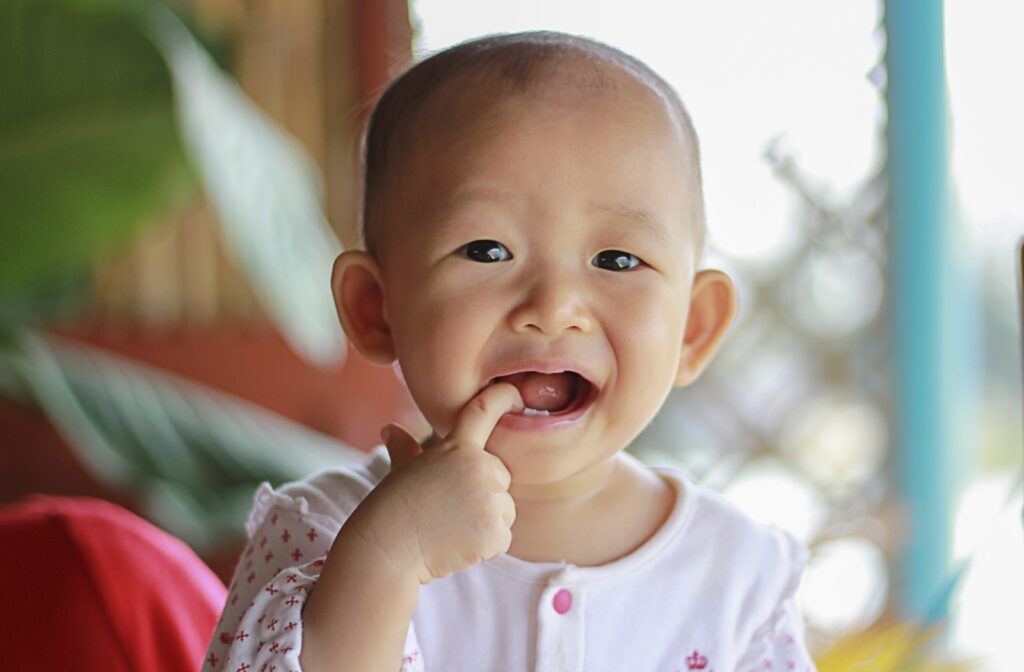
634	169
443	108
576	79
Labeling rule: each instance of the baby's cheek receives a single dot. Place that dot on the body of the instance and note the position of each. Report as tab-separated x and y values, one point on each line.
648	329
649	352
437	376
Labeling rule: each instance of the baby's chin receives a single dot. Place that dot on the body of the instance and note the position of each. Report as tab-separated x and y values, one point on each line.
547	480
537	460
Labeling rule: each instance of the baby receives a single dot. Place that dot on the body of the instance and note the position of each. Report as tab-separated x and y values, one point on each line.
533	223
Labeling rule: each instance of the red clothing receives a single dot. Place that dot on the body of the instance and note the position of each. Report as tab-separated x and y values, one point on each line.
90	586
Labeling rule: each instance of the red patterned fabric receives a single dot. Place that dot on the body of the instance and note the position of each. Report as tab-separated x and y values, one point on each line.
88	586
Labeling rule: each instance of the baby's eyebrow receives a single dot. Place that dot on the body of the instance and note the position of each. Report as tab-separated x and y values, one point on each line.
475	195
483	195
641	217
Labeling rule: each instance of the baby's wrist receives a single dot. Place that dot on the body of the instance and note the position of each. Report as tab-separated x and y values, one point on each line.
381	546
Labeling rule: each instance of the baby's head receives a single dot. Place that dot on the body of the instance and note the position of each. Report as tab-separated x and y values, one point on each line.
467	81
533	214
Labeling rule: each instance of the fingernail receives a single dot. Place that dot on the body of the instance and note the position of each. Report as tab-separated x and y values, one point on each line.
385	434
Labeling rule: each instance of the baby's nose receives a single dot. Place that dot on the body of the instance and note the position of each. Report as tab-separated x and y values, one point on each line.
552	306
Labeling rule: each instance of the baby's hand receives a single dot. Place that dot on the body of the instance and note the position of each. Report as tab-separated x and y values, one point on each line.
444	506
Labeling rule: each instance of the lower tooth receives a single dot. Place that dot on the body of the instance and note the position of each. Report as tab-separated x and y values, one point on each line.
534	411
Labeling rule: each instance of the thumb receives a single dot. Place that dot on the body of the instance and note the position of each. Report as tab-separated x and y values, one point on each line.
402	447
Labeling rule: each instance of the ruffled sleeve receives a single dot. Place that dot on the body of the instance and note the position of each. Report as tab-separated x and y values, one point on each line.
290	533
261	621
778	644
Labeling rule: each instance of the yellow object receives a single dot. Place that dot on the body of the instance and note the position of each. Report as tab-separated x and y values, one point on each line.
890	647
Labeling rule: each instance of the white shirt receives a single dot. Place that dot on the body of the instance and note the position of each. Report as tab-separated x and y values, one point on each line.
711	590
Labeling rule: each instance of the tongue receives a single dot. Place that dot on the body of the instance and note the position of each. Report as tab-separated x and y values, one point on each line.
545	391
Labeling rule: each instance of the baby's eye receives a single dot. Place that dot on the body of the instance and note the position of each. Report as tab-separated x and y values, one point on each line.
485	251
616	260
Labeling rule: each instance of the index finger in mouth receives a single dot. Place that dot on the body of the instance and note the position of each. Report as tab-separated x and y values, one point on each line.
479	417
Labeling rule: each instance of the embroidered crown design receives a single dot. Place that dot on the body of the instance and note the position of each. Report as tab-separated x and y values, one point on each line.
695	661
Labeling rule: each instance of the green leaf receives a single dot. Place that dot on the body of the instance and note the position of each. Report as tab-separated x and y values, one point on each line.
266	190
194	455
88	147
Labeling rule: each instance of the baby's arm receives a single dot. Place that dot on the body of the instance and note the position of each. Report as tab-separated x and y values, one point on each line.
360	616
440	510
290	532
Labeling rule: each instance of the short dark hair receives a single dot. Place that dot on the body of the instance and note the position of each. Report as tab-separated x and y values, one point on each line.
519	62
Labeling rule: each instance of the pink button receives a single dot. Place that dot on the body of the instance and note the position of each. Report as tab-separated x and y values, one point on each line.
563	601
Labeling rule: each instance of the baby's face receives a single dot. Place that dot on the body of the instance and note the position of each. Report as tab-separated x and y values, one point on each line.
554	234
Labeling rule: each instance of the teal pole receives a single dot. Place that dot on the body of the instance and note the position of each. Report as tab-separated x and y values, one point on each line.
921	273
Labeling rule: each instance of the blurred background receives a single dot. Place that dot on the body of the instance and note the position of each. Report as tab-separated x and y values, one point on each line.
177	177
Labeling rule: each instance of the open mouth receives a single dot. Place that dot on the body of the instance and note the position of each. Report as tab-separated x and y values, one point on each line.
550	394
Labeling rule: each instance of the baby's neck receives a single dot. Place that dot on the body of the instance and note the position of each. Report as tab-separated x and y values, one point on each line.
605	518
582	489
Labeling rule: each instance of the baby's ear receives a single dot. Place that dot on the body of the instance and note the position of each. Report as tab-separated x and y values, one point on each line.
713	306
359	297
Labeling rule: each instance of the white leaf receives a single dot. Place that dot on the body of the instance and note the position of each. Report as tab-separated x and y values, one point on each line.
265	189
